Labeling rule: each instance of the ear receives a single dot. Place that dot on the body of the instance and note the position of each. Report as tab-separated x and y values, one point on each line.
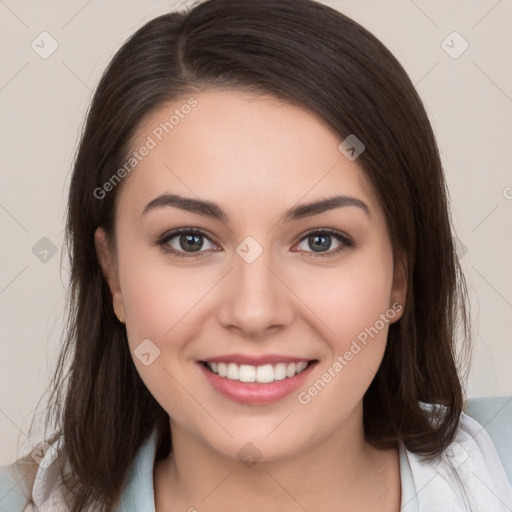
108	264
399	286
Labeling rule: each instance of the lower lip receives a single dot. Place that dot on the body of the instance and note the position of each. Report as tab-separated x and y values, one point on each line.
255	392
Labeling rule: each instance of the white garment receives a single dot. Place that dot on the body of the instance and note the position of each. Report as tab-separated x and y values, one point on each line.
467	477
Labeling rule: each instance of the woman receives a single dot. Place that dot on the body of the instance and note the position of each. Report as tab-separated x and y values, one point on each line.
265	291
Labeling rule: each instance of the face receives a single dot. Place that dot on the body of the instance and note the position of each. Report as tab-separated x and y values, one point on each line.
256	285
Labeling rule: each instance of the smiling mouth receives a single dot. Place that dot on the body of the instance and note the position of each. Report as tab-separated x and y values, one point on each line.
263	374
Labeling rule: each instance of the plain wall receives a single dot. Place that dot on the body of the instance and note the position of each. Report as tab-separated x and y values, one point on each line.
43	104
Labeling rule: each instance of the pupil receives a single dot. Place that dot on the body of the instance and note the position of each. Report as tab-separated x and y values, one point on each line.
319	242
194	242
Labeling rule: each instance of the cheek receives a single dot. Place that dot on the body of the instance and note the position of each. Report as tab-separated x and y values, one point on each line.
354	314
363	299
349	298
157	292
161	302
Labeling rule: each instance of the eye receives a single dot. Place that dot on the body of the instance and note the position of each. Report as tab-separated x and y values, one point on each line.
320	242
185	242
188	242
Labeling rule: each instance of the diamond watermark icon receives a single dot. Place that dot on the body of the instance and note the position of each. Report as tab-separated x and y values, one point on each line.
455	455
352	147
44	250
44	454
249	454
44	45
249	250
454	45
146	352
460	248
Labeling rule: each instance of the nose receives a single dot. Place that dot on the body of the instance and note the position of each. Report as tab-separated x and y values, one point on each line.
256	298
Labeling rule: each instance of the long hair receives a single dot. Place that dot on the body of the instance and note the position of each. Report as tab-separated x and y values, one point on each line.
310	55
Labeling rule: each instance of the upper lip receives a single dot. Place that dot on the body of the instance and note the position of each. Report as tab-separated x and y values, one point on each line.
255	360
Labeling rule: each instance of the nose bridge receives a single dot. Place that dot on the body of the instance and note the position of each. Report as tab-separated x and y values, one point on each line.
256	299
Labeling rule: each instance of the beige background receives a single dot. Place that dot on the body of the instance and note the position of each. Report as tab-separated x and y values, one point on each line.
42	106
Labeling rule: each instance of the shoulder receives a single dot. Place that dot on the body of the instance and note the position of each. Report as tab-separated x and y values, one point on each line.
494	416
16	482
469	474
33	481
30	486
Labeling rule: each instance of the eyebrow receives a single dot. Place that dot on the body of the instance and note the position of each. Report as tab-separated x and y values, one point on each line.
209	209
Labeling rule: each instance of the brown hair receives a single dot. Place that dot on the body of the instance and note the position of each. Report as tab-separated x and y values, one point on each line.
304	53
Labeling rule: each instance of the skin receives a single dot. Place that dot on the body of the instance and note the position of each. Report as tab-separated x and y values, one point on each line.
256	157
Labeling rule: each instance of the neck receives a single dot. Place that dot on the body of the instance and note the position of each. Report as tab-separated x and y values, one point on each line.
335	473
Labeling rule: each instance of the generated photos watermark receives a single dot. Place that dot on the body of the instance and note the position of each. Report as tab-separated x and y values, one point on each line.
357	345
151	142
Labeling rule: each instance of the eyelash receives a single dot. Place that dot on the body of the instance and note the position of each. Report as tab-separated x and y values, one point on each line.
346	242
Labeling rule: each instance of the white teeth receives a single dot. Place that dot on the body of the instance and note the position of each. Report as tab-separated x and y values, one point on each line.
222	369
280	371
301	366
263	374
246	373
232	371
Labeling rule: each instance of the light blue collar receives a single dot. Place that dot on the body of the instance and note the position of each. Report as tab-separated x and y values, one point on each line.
138	494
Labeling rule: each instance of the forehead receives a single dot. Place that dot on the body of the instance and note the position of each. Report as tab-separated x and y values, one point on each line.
243	150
